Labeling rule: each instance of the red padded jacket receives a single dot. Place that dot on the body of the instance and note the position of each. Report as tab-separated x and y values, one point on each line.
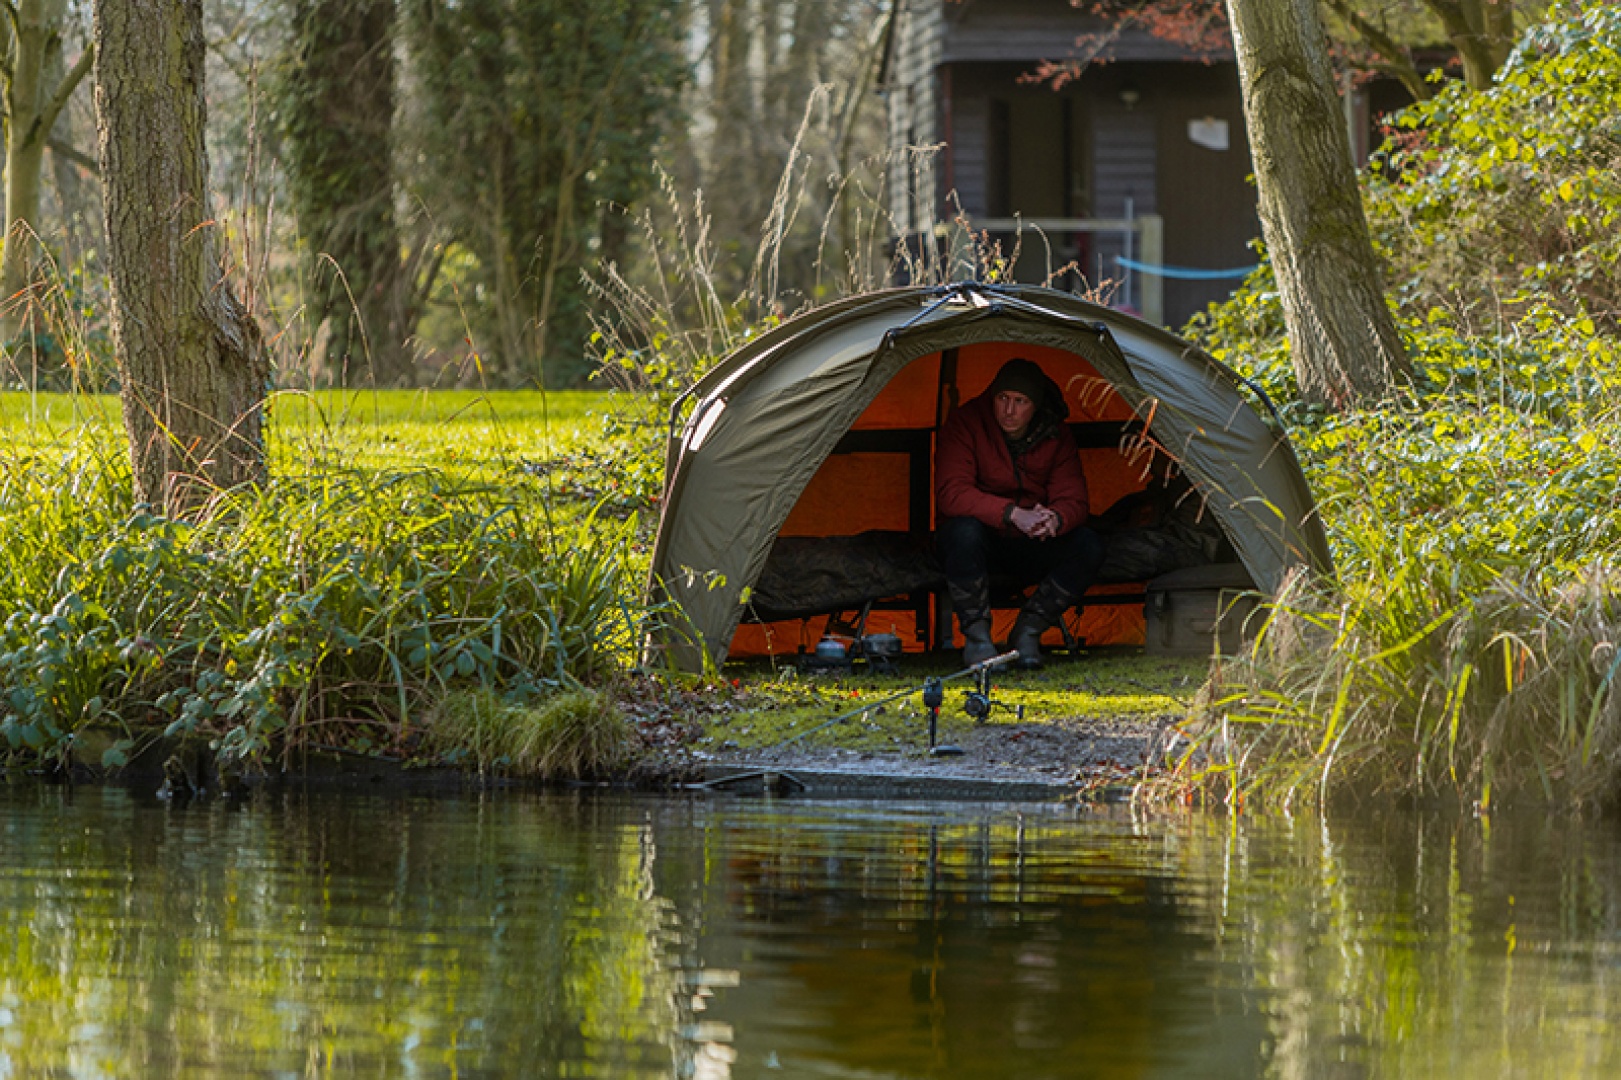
976	475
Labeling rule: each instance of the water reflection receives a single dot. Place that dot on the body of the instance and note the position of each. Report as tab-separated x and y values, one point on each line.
392	938
563	936
953	943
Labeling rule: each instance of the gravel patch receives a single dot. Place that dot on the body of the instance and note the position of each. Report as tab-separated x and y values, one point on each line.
1046	760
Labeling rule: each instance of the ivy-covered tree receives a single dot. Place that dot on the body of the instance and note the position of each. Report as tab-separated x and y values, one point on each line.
337	110
537	119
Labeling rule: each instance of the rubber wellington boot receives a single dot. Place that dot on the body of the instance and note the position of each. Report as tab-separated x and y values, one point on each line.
1043	609
1026	638
972	602
977	644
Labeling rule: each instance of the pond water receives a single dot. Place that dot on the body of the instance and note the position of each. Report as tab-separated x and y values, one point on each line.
525	935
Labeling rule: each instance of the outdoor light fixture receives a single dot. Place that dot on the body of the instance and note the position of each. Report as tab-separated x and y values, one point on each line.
1130	95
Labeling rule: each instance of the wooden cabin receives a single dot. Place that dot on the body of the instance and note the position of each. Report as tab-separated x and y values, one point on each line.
1143	157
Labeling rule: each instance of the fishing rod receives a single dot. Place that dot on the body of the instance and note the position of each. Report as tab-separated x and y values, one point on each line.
933	691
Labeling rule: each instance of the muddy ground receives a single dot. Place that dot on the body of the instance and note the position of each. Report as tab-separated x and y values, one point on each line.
1087	725
1049	759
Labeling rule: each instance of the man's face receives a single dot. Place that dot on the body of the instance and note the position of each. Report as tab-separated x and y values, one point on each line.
1013	412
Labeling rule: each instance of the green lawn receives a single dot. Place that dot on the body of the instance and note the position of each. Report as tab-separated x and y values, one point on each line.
477	435
335	408
460	431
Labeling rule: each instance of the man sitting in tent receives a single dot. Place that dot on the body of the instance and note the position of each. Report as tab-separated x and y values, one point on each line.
1012	501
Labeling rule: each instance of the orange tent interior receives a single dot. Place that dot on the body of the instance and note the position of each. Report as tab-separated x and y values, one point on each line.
881	477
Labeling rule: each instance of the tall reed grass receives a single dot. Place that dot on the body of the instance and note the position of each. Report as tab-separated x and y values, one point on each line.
1468	650
658	328
576	735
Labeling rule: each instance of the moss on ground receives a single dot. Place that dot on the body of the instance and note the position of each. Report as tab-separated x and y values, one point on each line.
773	704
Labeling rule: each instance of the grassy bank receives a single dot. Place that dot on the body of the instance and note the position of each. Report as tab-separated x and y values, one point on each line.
769	706
416	551
409	547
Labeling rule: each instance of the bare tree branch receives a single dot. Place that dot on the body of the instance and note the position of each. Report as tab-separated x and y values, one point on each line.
1398	60
70	82
85	161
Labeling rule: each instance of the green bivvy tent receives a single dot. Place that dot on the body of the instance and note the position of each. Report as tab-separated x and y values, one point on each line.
800	483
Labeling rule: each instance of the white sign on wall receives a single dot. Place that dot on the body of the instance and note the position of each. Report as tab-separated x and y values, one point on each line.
1209	133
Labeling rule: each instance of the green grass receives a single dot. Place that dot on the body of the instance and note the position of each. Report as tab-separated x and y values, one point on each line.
471	434
576	735
775	705
406	548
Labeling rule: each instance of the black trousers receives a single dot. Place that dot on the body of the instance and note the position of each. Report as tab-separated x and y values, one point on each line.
970	550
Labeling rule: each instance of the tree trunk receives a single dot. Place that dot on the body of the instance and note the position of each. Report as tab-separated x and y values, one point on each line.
32	106
1345	347
338	112
25	152
191	363
1483	33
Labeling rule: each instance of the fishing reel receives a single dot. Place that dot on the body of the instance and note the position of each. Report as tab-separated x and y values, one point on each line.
979	704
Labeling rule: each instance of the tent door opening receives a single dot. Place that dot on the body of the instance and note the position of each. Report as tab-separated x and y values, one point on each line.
859	541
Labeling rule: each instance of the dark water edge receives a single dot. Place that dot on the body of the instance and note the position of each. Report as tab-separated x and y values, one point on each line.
511	933
189	769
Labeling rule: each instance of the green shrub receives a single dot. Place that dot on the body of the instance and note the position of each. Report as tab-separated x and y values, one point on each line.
1466	649
1482	516
311	609
1489	203
573	735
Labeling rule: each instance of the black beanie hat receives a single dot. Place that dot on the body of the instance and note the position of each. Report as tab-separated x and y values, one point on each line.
1024	377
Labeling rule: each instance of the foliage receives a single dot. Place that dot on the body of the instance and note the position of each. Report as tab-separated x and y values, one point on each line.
1369	40
1198	27
1470	640
572	735
337	602
536	119
1491	211
1470	645
1468	653
1489	203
